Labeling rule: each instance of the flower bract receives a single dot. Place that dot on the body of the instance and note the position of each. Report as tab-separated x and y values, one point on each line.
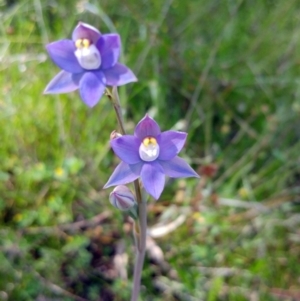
89	62
151	155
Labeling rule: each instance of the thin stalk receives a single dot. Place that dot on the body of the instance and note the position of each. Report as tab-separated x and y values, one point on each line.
114	97
140	231
140	256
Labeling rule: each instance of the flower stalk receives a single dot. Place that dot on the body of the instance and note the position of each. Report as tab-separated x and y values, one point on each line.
140	229
115	99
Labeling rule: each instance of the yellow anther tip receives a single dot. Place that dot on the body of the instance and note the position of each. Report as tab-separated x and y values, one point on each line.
86	43
153	140
146	141
149	140
78	43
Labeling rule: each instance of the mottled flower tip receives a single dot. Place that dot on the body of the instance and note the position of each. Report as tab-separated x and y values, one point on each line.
89	62
122	198
151	155
114	135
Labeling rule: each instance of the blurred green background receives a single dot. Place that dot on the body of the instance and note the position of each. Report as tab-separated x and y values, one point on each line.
227	72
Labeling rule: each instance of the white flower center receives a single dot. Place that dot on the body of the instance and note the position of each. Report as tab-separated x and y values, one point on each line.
149	149
87	54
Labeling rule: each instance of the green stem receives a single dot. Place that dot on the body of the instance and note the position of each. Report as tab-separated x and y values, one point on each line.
140	250
141	230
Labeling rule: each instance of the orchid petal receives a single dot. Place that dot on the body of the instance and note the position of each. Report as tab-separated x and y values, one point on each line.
147	127
109	46
170	144
92	87
153	178
86	31
178	168
124	174
127	148
63	82
62	54
119	75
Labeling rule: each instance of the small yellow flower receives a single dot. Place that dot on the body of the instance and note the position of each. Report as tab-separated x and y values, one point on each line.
59	172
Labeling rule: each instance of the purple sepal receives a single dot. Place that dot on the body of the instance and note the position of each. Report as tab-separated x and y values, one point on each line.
86	31
92	87
63	82
109	46
147	127
170	143
124	174
153	178
127	148
178	168
119	75
62	54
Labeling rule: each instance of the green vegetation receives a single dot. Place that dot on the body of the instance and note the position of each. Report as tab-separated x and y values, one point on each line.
225	71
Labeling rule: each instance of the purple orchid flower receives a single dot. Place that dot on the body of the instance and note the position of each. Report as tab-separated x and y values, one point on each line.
89	62
149	154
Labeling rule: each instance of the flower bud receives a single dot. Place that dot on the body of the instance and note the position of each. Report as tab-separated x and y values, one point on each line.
122	198
114	135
